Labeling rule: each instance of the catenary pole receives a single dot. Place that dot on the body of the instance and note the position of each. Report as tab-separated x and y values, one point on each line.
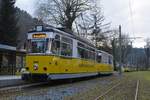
120	51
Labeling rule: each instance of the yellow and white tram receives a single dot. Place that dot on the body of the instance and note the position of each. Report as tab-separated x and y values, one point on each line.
56	54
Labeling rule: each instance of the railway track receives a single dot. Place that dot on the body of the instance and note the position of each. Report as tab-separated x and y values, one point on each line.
106	93
36	88
137	90
19	87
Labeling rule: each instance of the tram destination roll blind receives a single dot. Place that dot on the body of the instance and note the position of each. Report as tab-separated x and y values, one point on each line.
39	35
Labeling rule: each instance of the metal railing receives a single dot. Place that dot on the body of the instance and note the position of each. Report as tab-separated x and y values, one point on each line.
8	70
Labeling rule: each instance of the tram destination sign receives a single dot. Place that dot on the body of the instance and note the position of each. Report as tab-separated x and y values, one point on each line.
39	35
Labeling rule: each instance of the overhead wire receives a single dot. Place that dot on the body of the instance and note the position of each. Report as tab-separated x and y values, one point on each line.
131	16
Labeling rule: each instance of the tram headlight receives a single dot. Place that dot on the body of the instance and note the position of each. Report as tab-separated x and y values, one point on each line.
35	66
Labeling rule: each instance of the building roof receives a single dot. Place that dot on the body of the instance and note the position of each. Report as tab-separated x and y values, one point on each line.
7	47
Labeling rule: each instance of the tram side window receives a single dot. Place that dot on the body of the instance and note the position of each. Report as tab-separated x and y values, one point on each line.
66	49
66	46
93	55
89	53
57	37
99	57
29	46
55	48
110	60
81	52
85	52
67	40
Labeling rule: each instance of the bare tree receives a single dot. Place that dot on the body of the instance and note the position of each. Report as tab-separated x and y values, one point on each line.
147	52
126	47
61	12
94	25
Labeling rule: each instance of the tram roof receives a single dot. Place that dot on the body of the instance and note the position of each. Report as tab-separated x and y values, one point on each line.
7	47
82	39
69	34
62	31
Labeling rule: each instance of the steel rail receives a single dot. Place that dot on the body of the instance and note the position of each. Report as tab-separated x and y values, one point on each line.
137	89
107	91
17	88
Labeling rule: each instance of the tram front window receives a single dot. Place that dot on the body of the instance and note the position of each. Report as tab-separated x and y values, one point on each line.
38	46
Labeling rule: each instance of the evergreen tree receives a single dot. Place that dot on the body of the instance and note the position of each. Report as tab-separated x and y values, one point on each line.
8	23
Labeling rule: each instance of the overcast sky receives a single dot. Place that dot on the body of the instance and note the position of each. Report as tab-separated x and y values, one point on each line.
133	15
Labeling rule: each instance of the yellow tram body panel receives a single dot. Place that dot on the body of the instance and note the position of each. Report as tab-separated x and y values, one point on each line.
60	65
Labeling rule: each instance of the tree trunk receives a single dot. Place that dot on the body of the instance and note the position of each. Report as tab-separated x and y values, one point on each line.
114	54
1	55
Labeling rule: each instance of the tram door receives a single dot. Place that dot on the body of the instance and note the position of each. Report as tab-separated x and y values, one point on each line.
99	57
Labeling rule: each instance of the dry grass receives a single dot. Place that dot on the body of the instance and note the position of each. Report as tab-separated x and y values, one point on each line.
125	91
90	89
